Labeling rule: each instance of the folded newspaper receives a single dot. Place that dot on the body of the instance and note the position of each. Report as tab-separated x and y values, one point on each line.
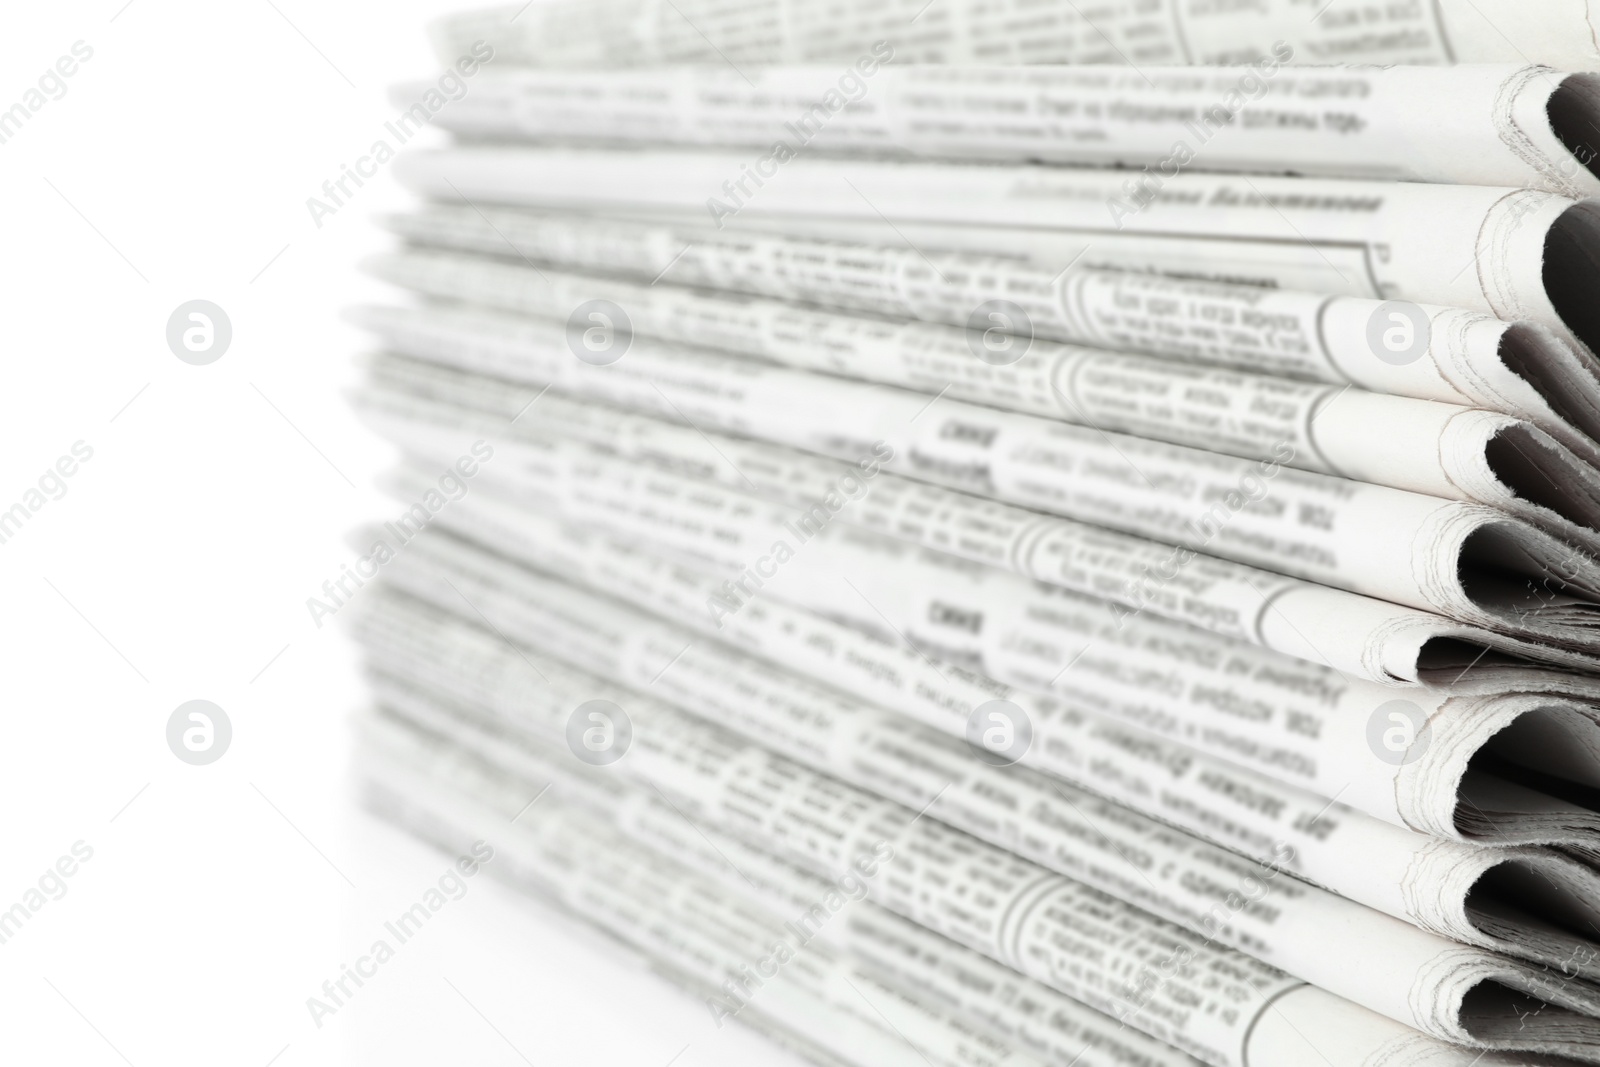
1516	253
588	34
1518	126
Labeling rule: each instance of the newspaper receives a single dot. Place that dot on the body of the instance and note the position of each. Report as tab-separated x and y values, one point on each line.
1431	883
449	796
1466	561
826	1007
584	34
1508	125
1446	354
1429	447
1451	991
1516	253
431	410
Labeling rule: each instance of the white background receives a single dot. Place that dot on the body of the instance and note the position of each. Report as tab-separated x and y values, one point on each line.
178	564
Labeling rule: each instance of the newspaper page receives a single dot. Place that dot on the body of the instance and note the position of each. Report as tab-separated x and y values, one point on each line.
1463	560
1428	882
822	1004
1009	907
1508	125
1428	447
429	410
584	34
449	796
1516	253
1450	355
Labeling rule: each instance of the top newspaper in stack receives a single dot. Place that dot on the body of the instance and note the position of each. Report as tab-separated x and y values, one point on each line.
586	34
1506	125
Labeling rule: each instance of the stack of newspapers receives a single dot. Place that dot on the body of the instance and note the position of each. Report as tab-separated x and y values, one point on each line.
989	531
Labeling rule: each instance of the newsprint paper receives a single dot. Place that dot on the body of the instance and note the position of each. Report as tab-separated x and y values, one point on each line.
1038	639
585	34
1518	126
1452	991
427	407
627	862
1430	883
1009	532
1430	352
1441	449
1464	560
1517	253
